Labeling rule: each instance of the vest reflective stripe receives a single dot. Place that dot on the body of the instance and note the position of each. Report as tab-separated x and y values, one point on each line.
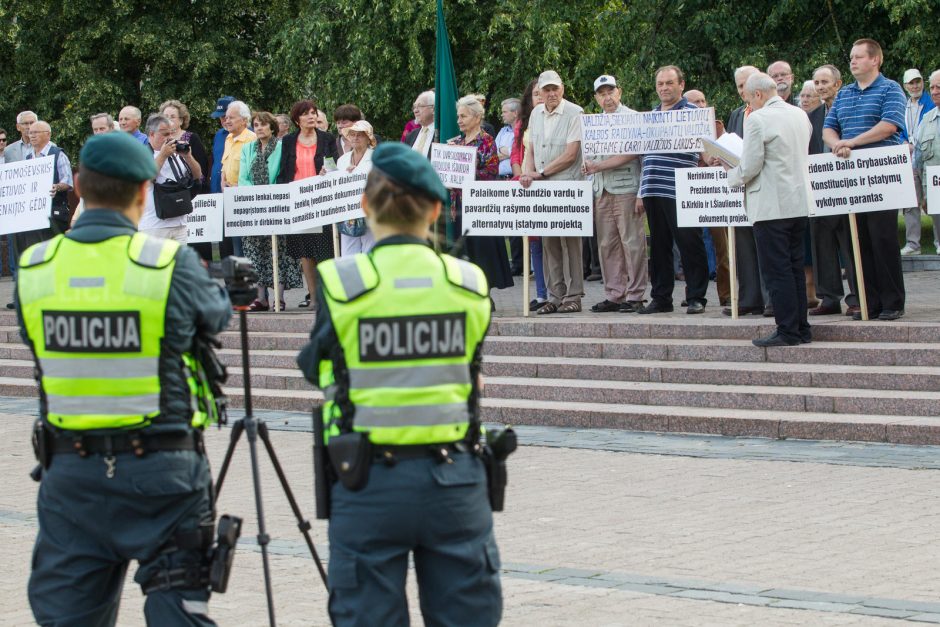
38	254
150	252
142	404
469	278
100	368
86	281
411	415
413	282
351	278
414	377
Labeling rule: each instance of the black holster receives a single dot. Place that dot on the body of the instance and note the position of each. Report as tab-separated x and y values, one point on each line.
230	528
42	440
323	478
499	446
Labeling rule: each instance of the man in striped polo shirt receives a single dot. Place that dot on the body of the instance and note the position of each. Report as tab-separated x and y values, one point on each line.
658	197
869	113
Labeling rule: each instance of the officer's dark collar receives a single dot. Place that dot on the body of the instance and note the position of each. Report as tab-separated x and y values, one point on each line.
401	238
103	217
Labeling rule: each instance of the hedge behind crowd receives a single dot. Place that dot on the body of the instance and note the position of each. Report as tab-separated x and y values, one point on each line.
67	61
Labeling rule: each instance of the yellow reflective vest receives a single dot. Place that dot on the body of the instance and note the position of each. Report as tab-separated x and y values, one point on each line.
409	322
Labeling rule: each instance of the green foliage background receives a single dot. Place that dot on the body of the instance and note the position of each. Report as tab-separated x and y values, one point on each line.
69	60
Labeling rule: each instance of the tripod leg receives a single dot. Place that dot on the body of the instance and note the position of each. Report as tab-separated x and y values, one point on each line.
302	523
251	429
237	428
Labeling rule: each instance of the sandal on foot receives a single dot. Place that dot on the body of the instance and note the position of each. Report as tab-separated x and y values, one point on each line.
547	308
257	305
571	307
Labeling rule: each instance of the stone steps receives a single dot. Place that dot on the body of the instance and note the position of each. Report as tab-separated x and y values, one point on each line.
872	382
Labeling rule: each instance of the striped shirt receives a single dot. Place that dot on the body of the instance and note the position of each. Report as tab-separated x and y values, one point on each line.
659	170
857	110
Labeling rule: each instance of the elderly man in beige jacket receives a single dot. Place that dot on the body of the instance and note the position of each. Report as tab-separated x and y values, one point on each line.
777	196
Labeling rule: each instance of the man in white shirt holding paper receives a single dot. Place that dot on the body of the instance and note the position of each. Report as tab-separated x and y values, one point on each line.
777	198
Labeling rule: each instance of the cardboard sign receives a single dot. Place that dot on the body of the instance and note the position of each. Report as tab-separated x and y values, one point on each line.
204	224
875	179
329	199
258	210
25	203
456	165
548	208
932	182
703	198
678	130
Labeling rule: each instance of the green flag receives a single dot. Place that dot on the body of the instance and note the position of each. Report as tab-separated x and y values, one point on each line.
445	82
445	98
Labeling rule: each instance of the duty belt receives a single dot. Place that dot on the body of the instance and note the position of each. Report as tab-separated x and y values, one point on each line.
136	443
391	455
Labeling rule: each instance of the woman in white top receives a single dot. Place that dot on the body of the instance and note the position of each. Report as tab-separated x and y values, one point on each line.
355	236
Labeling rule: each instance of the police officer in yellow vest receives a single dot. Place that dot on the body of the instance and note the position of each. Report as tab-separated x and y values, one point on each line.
110	315
396	350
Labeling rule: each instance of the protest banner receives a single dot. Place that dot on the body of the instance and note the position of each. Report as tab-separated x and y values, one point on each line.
703	198
456	165
678	130
204	224
548	208
875	179
324	200
258	210
25	203
932	176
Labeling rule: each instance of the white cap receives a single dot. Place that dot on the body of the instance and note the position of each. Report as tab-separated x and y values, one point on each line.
604	79
911	74
549	77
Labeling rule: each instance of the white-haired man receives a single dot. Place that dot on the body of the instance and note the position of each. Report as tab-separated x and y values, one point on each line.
777	196
18	150
129	120
420	139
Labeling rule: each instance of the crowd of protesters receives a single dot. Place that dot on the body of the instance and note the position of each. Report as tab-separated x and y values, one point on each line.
539	139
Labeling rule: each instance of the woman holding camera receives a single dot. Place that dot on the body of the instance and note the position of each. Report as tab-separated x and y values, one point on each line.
178	115
408	408
260	165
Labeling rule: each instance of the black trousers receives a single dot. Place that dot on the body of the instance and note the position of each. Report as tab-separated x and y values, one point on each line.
780	248
515	254
752	292
881	260
661	214
832	239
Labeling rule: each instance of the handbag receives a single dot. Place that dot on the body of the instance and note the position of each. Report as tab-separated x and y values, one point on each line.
172	199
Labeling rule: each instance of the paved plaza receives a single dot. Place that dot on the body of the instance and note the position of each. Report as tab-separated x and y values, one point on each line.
606	528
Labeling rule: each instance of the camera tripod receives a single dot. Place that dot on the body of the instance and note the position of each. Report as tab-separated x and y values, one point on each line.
255	428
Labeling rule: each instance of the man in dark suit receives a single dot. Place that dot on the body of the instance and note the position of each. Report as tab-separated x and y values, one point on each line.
422	137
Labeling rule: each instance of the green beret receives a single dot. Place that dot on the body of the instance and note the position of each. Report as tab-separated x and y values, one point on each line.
118	155
410	169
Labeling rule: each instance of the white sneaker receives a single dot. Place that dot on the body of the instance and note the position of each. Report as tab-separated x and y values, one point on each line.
907	251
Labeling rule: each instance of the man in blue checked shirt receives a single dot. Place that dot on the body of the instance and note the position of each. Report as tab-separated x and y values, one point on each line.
869	113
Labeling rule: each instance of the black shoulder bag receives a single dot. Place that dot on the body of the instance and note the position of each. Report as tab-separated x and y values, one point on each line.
172	199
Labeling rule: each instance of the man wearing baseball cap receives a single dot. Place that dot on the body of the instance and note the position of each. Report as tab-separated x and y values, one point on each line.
218	144
554	154
111	316
918	103
619	222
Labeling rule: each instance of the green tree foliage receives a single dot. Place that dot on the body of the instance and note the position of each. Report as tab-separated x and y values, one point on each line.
69	60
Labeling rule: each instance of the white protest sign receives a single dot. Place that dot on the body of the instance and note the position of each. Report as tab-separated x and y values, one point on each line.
456	165
932	176
548	208
703	198
258	210
204	224
874	179
677	130
25	203
324	200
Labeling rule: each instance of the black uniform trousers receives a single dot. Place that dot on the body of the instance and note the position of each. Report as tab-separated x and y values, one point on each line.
780	247
831	238
664	230
881	260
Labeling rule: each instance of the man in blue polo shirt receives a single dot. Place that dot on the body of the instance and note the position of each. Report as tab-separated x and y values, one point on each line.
658	197
869	113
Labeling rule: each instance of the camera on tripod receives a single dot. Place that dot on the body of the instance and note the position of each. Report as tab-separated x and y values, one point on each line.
239	276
